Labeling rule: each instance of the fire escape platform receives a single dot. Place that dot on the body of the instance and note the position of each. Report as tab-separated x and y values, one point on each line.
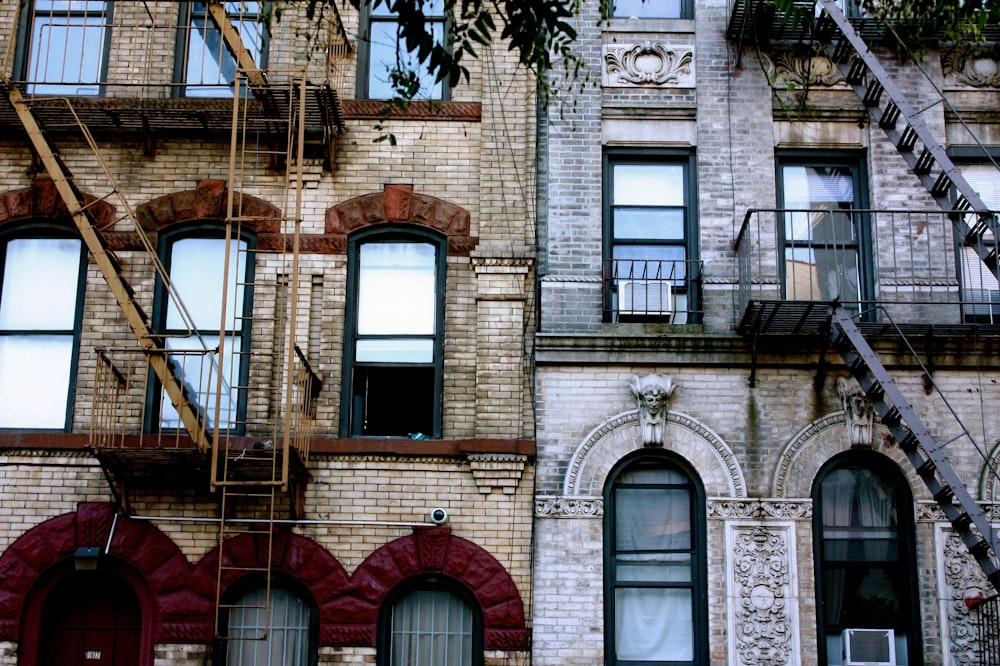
804	318
180	116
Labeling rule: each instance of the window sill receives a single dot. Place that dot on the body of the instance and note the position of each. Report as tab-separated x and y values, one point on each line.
649	25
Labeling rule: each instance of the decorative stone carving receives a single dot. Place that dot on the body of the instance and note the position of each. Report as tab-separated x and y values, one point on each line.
651	394
961	580
804	68
497	472
979	71
648	64
550	506
859	416
759	509
762	618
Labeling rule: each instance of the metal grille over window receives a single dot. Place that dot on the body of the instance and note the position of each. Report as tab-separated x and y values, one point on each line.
431	627
66	50
262	634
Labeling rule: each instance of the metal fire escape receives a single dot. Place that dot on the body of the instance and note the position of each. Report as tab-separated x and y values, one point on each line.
250	475
973	223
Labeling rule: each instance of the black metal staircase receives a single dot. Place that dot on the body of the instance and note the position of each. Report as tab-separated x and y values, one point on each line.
889	109
916	442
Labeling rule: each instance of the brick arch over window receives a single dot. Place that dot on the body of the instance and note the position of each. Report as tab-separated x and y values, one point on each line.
399	204
180	615
294	555
207	201
436	551
42	200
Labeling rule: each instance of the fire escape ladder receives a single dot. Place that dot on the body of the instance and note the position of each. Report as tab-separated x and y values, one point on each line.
913	139
109	265
916	442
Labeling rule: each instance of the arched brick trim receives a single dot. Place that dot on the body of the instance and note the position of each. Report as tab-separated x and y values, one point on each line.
399	204
294	555
436	551
180	616
42	200
207	202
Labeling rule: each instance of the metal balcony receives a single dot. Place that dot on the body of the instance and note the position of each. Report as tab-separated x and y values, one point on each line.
900	265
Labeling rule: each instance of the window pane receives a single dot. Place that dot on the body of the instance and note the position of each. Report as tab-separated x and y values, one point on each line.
431	627
817	187
286	627
198	371
40	284
393	401
396	350
210	69
649	223
196	269
648	8
397	292
652	519
66	48
654	624
648	185
384	48
34	380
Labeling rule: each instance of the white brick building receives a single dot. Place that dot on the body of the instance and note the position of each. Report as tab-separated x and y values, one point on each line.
702	207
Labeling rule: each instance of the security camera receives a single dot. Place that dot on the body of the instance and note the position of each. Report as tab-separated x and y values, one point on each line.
439	516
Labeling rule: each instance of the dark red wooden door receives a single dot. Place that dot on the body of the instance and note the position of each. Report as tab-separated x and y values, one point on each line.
91	619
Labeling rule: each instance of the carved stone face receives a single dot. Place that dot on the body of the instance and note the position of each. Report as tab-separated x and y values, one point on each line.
652	400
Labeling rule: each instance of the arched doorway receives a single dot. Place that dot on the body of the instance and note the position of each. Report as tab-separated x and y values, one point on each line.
90	618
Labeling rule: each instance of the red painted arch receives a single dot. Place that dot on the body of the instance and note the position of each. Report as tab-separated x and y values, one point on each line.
208	201
399	204
42	201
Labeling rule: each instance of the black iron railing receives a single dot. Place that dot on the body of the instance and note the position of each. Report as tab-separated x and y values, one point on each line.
654	291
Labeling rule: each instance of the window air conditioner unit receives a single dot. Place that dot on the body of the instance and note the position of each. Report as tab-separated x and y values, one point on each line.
645	297
869	647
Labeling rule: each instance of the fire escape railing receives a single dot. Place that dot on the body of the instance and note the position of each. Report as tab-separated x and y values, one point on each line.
653	291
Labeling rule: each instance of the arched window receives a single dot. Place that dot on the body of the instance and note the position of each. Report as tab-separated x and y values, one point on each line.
280	629
195	261
431	622
40	320
865	571
393	352
654	532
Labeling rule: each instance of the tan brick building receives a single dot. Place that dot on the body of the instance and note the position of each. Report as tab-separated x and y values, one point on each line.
247	349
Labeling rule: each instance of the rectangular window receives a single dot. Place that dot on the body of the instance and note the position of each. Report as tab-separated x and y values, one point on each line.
980	290
196	272
67	43
205	66
826	253
395	342
652	272
664	9
432	626
386	57
39	320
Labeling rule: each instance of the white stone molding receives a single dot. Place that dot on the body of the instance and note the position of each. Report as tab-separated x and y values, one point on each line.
555	506
497	472
959	579
649	64
820	440
759	508
761	576
620	435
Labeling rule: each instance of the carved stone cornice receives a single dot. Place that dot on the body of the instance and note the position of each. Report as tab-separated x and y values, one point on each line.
759	509
497	472
649	64
555	506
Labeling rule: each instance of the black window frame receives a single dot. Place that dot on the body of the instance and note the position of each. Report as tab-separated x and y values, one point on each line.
962	156
23	47
861	221
186	14
428	583
248	583
689	285
365	56
44	230
698	551
905	547
215	231
351	423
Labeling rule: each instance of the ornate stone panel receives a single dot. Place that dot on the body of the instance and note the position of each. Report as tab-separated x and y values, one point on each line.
759	509
960	581
763	621
648	64
552	506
